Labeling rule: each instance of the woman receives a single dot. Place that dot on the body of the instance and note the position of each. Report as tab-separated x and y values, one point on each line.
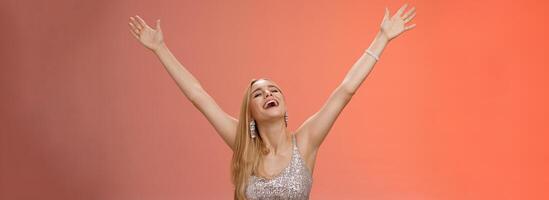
270	161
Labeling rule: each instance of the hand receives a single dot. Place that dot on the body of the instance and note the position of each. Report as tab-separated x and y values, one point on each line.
150	38
394	26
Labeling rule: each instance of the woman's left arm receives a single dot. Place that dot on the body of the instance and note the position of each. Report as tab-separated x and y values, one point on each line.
316	127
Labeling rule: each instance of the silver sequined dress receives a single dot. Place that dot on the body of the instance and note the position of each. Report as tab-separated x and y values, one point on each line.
294	182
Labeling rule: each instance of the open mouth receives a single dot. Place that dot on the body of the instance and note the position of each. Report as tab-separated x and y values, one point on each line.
270	104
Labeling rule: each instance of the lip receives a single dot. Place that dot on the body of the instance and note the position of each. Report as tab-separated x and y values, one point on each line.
268	100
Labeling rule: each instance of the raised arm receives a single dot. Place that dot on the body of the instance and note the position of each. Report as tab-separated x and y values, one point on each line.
224	124
315	128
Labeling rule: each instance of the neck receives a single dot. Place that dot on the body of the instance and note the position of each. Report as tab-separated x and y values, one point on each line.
275	135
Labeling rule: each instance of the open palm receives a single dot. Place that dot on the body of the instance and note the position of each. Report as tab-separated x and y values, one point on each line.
149	37
395	25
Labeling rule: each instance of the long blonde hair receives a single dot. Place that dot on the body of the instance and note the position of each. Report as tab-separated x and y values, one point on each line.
247	151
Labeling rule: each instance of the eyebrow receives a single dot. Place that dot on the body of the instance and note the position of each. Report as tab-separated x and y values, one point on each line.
267	86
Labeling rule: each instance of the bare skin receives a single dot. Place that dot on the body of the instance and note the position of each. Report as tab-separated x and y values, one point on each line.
270	124
270	121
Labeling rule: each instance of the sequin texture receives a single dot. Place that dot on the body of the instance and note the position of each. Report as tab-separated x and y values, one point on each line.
294	182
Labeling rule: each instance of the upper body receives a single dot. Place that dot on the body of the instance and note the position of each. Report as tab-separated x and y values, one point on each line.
274	147
293	182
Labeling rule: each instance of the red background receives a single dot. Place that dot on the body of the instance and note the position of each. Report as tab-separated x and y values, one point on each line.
455	109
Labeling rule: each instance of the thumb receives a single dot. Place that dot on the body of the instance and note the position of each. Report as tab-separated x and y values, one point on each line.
386	14
158	25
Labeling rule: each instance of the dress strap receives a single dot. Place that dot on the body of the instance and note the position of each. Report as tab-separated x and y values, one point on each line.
294	144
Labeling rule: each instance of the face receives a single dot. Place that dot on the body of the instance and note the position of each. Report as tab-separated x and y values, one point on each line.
266	101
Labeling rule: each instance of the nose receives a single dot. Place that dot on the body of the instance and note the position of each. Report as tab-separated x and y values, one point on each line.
268	93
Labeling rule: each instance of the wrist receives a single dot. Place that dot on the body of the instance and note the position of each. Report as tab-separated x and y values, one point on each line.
162	47
378	44
376	47
382	36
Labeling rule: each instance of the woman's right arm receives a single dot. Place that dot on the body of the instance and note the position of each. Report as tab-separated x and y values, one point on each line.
224	124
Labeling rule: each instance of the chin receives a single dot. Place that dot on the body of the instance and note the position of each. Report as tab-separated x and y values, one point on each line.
274	113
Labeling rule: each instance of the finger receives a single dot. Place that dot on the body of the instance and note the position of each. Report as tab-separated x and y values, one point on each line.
141	21
408	13
409	27
136	23
133	28
386	14
158	25
134	35
399	12
409	18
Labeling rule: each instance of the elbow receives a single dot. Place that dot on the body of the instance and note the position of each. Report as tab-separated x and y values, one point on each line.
347	87
195	94
347	90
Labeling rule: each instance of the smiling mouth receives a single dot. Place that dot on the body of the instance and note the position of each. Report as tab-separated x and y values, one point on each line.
270	104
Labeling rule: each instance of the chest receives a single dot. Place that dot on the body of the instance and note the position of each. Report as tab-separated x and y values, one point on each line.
292	182
271	166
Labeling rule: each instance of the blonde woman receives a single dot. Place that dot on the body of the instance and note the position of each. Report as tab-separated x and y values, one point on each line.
269	161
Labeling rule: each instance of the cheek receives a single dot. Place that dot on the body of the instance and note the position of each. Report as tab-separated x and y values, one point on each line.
283	101
283	106
254	106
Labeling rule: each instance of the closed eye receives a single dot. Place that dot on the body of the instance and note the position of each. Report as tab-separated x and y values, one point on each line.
258	94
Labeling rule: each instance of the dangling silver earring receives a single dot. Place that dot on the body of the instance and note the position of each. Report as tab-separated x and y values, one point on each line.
253	133
286	118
